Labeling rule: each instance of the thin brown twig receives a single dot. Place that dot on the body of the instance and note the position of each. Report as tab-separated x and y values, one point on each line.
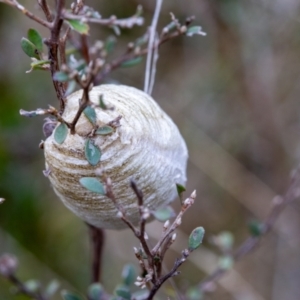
173	272
44	6
27	13
186	205
112	21
24	290
144	214
108	68
97	239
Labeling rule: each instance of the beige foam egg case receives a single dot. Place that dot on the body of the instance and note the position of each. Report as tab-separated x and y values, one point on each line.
146	147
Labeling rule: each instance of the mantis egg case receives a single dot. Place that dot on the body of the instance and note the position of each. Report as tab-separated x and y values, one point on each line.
146	147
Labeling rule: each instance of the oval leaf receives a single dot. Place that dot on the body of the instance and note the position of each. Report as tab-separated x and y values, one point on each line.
92	184
35	38
128	274
90	113
70	296
71	88
95	291
163	214
110	44
32	285
226	262
180	189
256	228
140	294
194	293
104	130
101	102
195	30
52	288
61	76
131	62
29	48
92	152
225	240
40	64
60	133
78	26
123	292
196	238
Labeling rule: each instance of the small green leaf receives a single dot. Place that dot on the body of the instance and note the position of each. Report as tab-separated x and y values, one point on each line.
163	214
180	189
71	87
195	30
70	296
224	240
140	294
194	293
90	113
60	133
256	228
78	26
92	184
123	291
128	274
116	29
52	288
226	262
104	130
110	43
141	41
131	62
32	285
92	153
29	48
61	76
95	291
170	27
39	64
35	38
101	103
195	238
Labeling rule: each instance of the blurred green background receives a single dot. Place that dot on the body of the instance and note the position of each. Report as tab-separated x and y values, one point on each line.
234	94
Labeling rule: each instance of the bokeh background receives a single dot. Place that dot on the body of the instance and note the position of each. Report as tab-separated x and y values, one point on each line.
234	94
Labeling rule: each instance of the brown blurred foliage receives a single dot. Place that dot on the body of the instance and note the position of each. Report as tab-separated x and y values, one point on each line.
234	96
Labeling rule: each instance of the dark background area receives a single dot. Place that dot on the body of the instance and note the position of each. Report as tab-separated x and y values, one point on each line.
234	94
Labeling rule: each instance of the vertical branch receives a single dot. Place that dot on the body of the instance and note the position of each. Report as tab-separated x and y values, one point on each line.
44	6
85	48
151	45
97	238
53	43
153	66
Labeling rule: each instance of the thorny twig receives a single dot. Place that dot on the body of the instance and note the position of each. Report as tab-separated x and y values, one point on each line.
27	13
151	260
128	55
278	204
97	68
112	21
